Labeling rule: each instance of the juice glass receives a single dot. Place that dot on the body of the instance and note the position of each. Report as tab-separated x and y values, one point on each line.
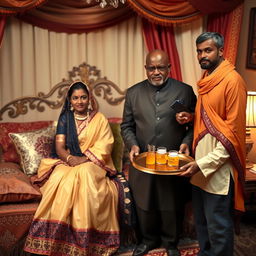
151	156
173	159
161	155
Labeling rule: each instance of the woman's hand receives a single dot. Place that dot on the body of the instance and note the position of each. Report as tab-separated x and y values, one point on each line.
184	117
76	160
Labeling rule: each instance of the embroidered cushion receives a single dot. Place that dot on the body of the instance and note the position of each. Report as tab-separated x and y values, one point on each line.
9	152
15	186
33	146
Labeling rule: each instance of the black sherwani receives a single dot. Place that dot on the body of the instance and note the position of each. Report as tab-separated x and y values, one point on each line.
149	119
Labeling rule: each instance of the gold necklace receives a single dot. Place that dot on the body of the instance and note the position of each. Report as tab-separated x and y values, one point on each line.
81	118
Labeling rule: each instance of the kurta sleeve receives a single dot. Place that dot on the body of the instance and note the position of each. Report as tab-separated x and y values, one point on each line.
213	160
128	126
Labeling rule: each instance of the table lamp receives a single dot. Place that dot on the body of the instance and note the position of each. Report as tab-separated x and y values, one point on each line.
250	123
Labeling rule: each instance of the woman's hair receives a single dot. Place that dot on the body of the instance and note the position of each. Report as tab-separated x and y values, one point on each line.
66	119
77	86
217	38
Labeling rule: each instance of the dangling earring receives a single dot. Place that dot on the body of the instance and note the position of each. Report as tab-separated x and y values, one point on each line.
71	107
90	106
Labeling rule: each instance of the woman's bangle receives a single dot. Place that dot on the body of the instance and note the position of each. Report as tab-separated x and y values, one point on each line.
68	158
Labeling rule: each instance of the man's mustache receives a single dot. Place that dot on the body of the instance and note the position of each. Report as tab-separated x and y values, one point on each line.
203	59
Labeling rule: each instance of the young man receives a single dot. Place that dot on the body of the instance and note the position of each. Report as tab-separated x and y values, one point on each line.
149	119
217	173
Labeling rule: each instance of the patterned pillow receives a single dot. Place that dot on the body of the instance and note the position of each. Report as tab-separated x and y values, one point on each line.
9	152
15	185
33	146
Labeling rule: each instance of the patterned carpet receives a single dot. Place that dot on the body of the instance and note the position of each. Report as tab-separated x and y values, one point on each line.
187	247
245	243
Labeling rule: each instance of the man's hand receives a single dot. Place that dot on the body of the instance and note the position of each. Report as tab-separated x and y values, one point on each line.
189	169
135	150
184	149
184	117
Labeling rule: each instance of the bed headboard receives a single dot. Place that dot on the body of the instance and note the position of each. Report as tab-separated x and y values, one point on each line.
108	95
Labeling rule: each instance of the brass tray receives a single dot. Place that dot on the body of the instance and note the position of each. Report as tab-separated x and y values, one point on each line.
159	169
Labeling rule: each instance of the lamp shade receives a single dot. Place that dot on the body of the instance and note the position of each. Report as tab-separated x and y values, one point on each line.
251	109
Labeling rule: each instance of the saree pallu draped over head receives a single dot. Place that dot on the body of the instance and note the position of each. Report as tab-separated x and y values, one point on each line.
220	111
126	211
68	115
87	208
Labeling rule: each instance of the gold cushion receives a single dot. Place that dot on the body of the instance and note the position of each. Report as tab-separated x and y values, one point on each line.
33	146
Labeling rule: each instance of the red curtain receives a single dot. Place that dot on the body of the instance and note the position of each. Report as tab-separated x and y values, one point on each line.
229	25
2	26
160	37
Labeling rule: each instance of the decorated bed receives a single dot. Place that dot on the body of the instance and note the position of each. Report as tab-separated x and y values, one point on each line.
24	144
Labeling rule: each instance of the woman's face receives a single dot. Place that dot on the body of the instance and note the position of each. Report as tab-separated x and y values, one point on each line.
79	101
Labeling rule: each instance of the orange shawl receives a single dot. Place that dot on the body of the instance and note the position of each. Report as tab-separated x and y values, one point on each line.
220	111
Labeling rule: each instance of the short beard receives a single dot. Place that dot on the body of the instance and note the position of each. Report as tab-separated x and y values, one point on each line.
158	83
209	65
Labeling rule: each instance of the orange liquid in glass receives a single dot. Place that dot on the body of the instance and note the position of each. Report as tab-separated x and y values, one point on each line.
160	158
173	161
151	158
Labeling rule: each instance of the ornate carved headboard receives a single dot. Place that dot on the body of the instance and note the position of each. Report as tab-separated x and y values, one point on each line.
101	87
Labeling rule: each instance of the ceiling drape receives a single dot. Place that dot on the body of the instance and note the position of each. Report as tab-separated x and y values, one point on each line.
57	16
215	6
165	12
8	7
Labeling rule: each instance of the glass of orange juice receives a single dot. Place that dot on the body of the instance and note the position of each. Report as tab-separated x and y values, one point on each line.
161	155
151	156
173	159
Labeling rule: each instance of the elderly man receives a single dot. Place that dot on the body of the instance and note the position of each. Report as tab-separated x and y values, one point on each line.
149	119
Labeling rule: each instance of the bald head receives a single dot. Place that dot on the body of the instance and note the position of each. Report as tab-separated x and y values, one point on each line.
157	67
157	55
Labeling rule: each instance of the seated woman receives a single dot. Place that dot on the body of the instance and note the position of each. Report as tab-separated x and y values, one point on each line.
78	214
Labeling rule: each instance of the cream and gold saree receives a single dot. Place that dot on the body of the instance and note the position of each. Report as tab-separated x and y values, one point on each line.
78	214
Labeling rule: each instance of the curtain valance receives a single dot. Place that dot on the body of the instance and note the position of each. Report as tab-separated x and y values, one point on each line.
215	6
57	16
68	16
165	12
8	7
